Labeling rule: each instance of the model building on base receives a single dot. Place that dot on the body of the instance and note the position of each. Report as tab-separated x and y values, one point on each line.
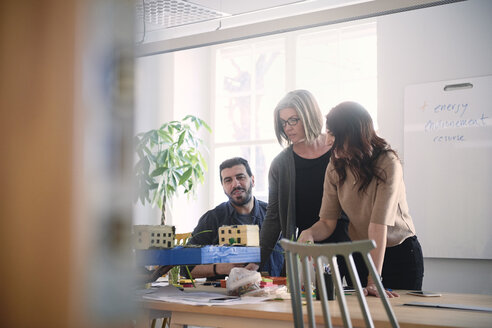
153	236
246	235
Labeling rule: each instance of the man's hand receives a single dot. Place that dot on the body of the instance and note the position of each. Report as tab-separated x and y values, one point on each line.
225	268
252	266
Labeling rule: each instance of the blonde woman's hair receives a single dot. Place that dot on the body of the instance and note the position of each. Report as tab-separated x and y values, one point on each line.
308	111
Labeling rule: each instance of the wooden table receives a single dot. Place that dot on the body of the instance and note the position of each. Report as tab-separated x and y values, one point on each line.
279	313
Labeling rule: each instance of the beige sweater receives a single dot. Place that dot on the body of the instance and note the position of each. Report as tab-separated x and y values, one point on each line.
383	203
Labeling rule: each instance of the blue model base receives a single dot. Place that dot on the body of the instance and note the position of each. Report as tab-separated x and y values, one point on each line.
197	255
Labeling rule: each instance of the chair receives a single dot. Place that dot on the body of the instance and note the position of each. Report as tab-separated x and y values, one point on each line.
180	239
296	253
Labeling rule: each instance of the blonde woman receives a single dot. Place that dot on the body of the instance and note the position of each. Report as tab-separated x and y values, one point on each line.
296	174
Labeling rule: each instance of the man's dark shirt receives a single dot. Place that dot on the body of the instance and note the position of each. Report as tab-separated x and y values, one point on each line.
226	214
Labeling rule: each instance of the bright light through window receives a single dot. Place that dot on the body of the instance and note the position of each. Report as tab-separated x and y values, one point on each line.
335	64
338	65
249	82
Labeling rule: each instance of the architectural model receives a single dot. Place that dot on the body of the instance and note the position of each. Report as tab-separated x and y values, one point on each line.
153	236
246	235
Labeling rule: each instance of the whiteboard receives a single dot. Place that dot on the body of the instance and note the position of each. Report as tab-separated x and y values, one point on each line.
448	166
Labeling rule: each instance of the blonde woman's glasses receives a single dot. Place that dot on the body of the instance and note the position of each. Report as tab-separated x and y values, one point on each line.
291	121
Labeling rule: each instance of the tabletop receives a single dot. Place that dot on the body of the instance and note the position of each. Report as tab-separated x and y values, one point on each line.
279	313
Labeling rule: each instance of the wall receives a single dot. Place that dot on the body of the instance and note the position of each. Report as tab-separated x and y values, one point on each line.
169	87
434	44
36	126
154	95
192	96
66	120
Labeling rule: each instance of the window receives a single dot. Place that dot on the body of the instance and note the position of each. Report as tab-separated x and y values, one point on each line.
334	63
249	82
338	65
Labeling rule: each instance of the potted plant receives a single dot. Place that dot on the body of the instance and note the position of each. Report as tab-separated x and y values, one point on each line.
168	158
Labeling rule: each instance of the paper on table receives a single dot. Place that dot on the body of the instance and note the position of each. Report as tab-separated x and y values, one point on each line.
450	306
174	295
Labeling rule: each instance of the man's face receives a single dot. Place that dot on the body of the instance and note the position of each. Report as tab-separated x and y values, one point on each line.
237	184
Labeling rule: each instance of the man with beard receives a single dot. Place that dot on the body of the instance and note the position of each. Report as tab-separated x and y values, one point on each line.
242	208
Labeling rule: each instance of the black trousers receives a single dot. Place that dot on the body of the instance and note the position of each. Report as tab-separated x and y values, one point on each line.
403	266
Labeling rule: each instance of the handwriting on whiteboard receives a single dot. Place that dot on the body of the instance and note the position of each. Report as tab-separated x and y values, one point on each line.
459	109
452	117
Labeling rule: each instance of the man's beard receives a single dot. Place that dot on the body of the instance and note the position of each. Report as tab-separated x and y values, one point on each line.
245	199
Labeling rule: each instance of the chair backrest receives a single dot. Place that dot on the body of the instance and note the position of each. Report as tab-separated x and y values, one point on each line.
297	254
182	238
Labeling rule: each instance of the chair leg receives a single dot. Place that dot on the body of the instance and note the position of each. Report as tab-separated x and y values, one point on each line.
295	288
381	291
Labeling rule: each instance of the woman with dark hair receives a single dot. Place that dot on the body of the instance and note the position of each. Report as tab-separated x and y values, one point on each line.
365	179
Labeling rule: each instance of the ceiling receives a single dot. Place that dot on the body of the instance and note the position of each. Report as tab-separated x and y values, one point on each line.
158	15
161	14
172	25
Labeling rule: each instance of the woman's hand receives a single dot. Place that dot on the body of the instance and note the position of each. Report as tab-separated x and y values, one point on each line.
318	231
305	237
371	290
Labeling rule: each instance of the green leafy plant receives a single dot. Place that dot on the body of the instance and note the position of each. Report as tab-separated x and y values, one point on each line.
169	157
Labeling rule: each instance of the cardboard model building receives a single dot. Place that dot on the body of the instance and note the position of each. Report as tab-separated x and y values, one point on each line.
153	236
246	235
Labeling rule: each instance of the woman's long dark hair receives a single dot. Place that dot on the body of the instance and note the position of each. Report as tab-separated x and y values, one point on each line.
356	144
